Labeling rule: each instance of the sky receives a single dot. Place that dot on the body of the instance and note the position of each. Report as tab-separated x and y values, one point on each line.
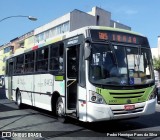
142	16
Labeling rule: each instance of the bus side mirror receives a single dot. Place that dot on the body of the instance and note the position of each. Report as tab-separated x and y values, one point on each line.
87	50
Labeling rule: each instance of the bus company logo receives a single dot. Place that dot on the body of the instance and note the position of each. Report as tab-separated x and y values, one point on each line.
123	82
128	101
6	134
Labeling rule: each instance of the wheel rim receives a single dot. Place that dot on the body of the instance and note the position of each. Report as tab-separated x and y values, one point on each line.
60	109
19	99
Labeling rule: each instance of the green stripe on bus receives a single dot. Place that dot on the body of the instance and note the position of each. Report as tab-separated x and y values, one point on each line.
58	78
122	96
118	30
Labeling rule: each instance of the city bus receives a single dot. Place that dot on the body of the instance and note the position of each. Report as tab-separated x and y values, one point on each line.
94	73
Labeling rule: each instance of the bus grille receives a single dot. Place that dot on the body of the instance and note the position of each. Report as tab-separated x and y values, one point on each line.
127	95
122	111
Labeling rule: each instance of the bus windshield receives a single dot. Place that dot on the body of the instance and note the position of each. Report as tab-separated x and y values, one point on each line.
120	65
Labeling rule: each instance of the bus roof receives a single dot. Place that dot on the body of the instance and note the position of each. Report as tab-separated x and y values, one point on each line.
72	34
114	29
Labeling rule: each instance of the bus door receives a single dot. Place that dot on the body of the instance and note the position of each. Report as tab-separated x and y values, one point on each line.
72	65
10	73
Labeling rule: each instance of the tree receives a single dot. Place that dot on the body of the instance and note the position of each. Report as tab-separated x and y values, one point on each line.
156	63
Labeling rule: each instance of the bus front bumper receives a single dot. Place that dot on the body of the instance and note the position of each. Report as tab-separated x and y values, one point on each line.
103	112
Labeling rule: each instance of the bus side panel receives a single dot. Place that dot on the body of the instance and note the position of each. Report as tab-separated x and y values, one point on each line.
11	82
43	90
25	84
82	104
27	89
6	87
59	86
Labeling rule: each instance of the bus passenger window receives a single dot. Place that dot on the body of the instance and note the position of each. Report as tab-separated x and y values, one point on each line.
19	64
10	68
56	57
42	59
29	62
54	64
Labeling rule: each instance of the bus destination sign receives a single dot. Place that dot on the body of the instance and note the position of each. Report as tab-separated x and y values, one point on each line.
118	37
101	35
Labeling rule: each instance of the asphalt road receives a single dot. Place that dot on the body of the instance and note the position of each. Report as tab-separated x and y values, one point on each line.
31	120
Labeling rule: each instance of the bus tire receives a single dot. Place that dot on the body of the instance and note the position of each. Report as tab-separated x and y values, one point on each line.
19	100
60	110
54	99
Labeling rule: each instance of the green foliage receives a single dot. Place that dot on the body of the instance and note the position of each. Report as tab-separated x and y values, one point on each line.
156	63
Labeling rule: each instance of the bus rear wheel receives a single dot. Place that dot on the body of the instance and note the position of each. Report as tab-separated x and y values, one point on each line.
60	110
19	100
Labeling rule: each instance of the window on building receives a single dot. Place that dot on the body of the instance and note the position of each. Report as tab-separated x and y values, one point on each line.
41	37
46	35
97	20
21	45
65	27
52	32
37	38
7	49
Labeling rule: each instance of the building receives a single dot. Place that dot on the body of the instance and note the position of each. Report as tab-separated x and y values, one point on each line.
16	45
158	46
74	20
156	53
66	23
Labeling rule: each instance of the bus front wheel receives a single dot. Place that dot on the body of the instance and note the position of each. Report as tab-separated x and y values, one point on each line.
60	110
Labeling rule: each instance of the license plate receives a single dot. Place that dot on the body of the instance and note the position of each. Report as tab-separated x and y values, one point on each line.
129	107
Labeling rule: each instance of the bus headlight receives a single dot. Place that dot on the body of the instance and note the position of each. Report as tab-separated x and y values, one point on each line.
96	98
153	94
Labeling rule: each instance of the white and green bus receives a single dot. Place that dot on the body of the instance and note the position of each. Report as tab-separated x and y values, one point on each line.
92	74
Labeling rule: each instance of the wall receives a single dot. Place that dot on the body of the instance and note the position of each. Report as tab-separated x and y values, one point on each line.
102	16
154	52
80	19
52	24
